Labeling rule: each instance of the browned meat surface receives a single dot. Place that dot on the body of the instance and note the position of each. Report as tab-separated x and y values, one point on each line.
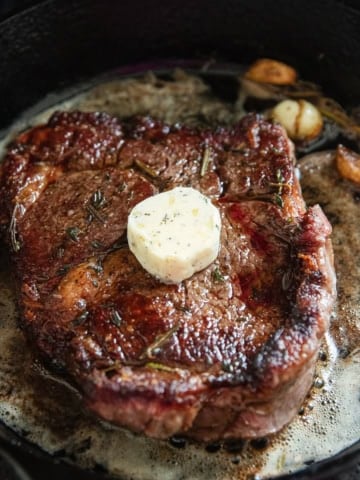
229	352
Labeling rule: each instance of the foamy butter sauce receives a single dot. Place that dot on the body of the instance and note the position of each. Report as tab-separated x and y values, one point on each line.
48	412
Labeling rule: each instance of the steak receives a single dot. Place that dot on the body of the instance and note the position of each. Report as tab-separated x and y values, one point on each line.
229	352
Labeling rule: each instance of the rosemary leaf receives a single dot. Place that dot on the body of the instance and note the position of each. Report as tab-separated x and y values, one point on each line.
96	244
97	199
160	366
97	267
279	176
93	213
218	276
226	367
183	309
73	233
115	318
80	319
205	162
146	169
64	269
278	200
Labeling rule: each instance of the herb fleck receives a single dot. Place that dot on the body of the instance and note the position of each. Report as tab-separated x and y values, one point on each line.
73	233
278	200
115	317
120	243
275	150
97	267
64	269
96	244
165	219
182	308
80	319
279	176
226	367
218	276
97	199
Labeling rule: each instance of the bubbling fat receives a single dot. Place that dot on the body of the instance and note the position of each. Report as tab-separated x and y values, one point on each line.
48	412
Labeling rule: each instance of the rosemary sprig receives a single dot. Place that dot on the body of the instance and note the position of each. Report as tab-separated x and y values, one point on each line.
96	202
14	240
93	213
280	182
158	343
160	366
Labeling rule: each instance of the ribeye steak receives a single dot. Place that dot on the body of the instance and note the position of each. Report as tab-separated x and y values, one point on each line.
229	352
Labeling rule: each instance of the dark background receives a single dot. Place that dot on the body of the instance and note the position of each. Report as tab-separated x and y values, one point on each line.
7	7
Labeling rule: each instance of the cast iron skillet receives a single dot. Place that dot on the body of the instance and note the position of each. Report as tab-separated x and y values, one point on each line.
55	44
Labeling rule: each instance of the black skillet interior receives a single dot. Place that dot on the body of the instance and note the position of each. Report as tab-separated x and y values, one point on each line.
54	44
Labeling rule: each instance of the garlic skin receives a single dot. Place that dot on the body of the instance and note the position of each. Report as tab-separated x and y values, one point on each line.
301	119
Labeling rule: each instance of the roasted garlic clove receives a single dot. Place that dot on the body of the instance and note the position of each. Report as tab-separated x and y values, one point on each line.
266	70
348	164
301	119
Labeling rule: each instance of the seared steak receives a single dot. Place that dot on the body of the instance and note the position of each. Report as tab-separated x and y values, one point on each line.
227	353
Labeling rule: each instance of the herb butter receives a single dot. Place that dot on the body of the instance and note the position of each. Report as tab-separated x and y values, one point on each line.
175	233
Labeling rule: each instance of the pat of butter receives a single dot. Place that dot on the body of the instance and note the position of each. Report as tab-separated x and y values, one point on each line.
175	233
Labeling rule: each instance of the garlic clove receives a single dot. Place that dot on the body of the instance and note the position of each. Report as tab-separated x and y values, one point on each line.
266	70
348	164
300	118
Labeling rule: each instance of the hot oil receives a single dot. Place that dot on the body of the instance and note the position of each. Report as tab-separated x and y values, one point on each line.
48	411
